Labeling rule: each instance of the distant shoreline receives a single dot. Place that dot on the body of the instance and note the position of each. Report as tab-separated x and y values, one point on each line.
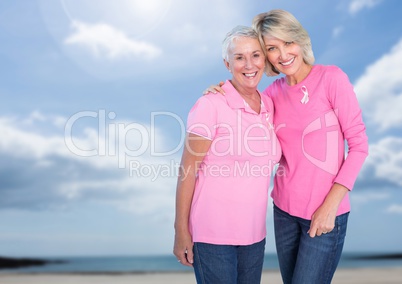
386	256
11	262
19	264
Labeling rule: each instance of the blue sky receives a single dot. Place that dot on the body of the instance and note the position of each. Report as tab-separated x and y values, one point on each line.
94	98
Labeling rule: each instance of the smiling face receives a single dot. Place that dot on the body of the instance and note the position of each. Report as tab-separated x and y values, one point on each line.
246	62
287	58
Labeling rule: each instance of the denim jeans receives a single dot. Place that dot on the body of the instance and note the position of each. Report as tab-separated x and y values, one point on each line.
306	260
227	264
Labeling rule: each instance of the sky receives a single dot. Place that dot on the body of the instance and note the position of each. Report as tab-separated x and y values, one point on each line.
94	99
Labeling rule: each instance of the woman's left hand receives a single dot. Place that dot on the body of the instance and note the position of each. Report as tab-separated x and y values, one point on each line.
323	219
215	89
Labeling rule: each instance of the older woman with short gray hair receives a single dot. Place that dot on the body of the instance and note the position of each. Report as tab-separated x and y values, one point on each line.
229	154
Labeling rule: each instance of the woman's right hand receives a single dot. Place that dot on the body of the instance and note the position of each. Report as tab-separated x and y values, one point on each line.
215	89
183	248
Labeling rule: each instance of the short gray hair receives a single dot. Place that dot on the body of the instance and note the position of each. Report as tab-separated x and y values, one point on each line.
239	31
284	26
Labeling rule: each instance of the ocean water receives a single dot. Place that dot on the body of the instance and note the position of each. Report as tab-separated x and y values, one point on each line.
140	264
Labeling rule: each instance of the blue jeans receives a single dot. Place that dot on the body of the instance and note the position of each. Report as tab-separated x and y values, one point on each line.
306	260
227	264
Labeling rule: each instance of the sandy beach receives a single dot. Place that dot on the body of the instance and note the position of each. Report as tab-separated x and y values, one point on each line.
342	276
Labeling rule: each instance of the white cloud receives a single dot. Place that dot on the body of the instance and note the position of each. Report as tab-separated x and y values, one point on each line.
135	17
181	35
39	171
395	208
379	90
20	143
357	5
37	117
365	197
384	162
103	40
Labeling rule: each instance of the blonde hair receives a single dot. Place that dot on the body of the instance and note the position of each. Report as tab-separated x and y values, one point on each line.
284	26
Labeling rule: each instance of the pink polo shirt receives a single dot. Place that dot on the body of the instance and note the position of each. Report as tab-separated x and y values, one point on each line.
312	133
230	198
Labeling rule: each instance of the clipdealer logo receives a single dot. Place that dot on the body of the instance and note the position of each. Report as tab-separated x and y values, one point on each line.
172	169
112	141
112	136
